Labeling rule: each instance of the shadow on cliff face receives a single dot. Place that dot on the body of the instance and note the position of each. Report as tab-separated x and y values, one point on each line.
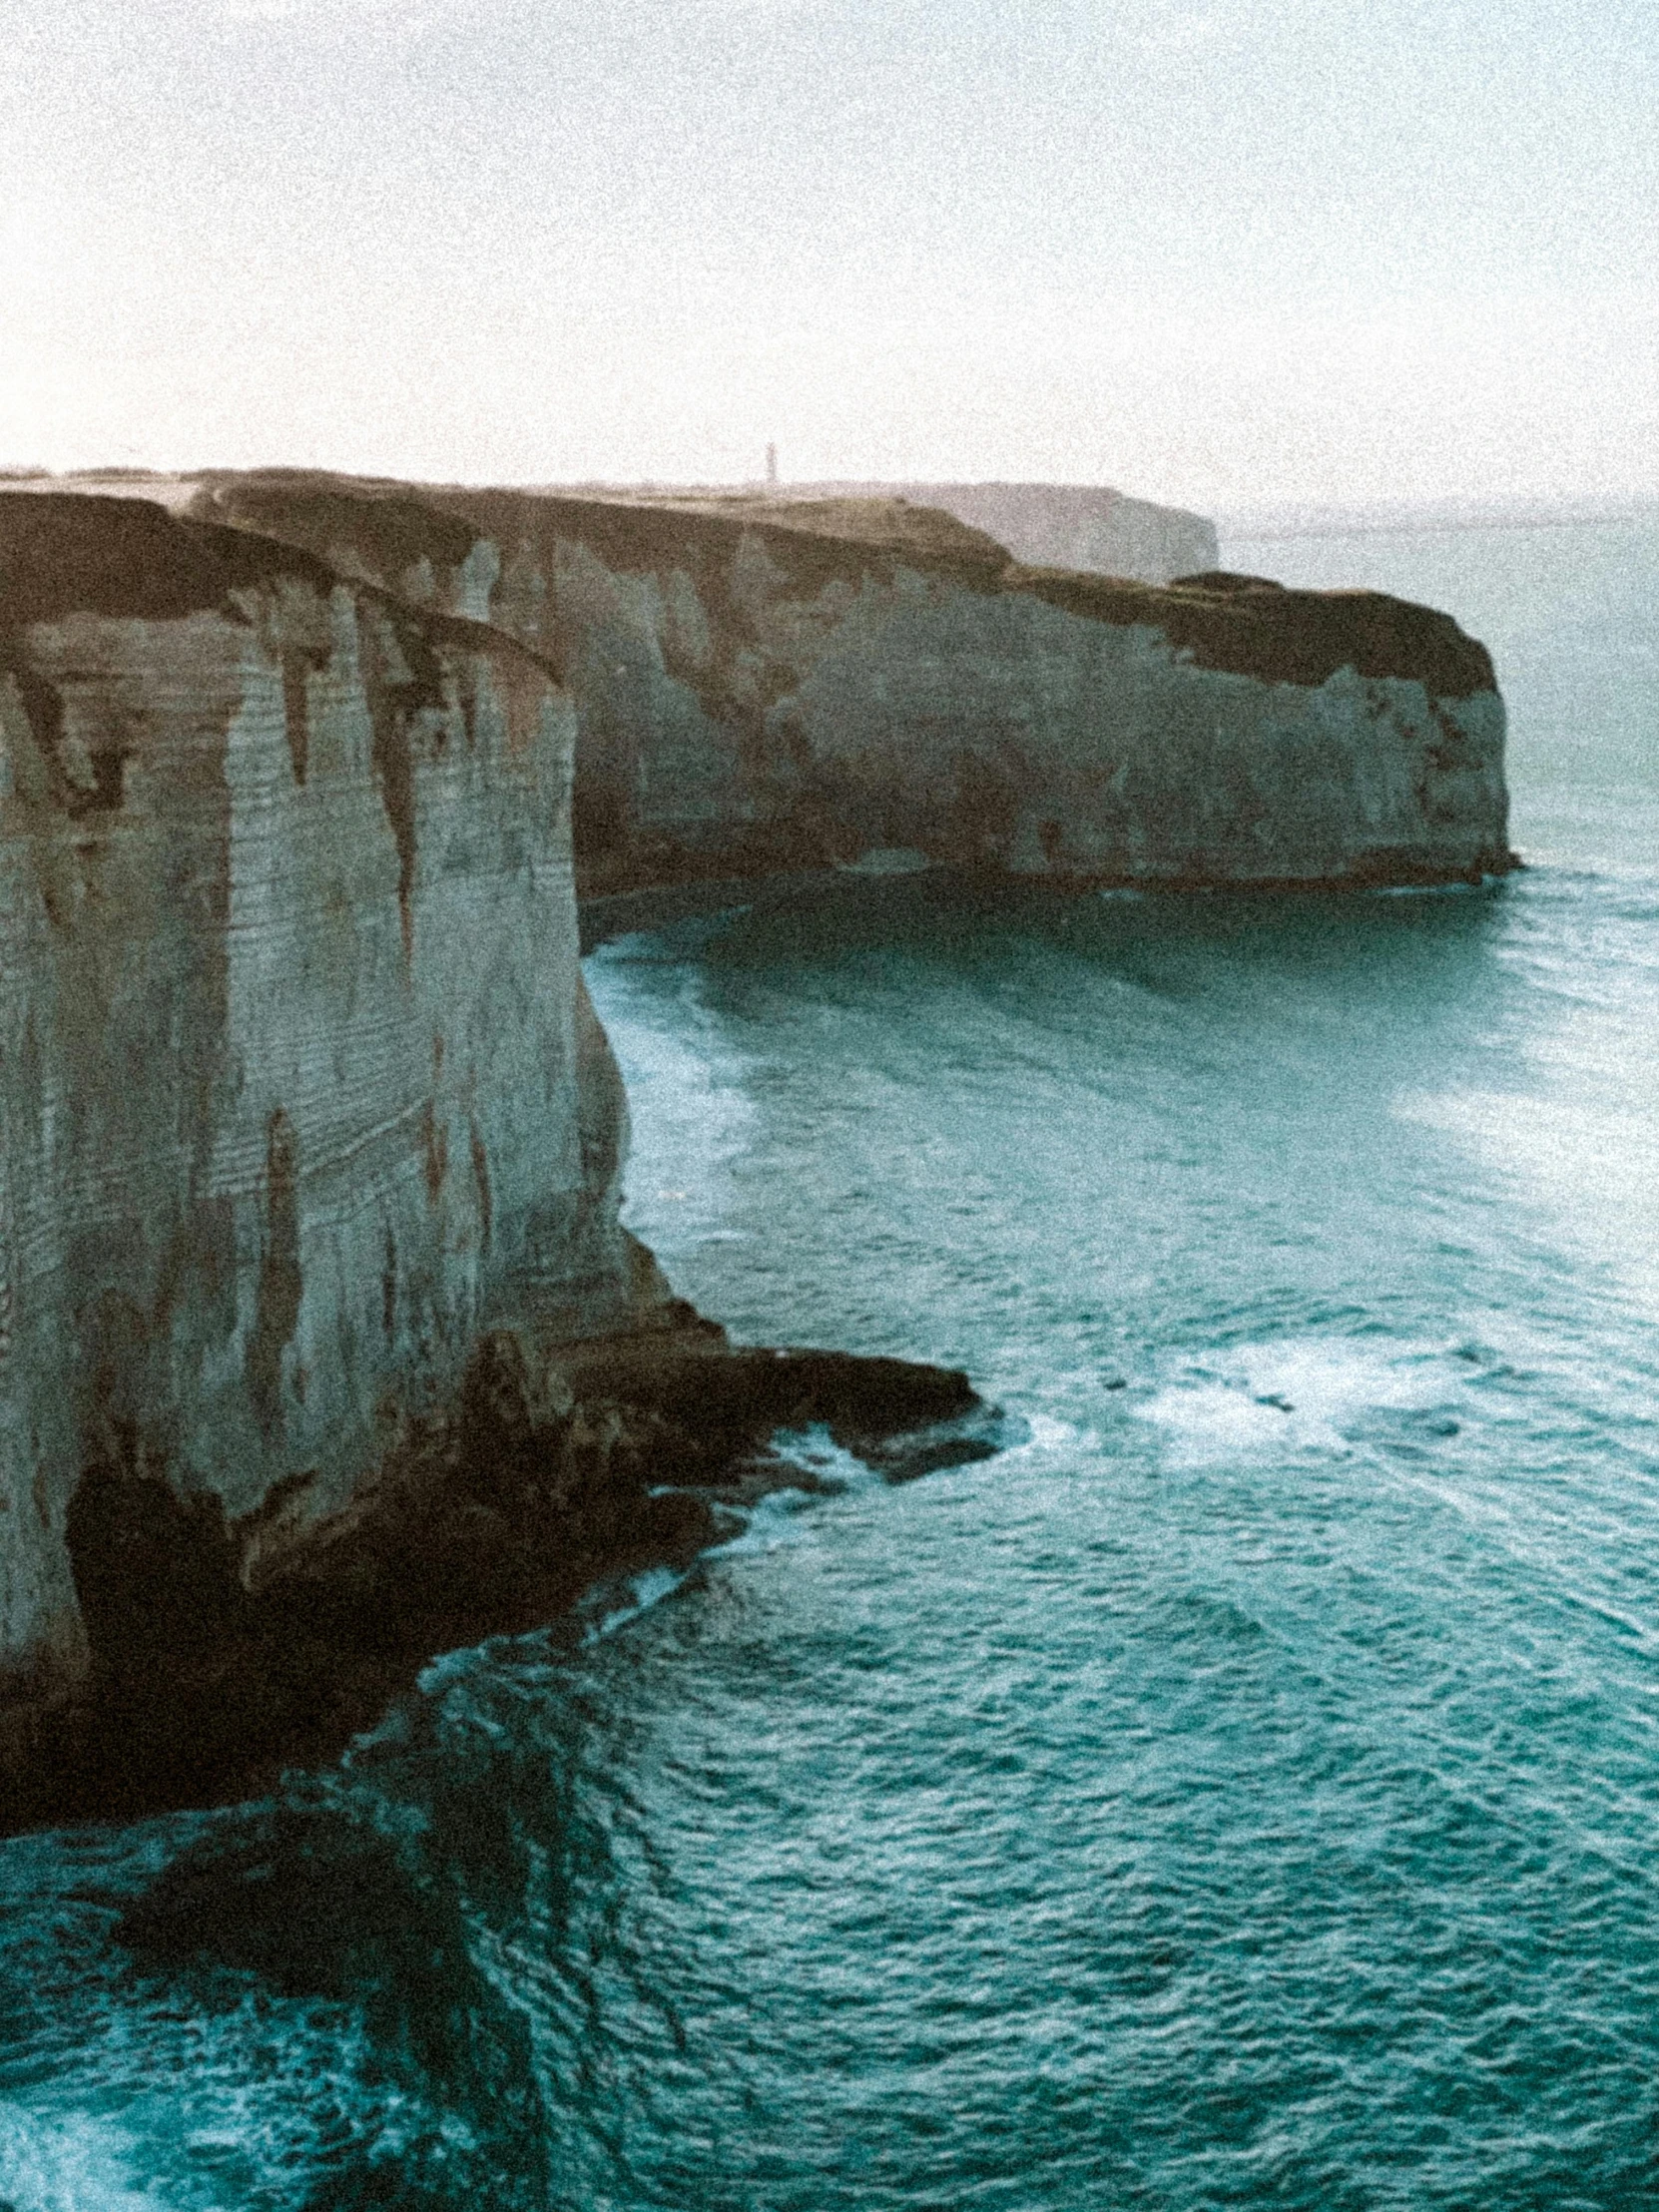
216	1665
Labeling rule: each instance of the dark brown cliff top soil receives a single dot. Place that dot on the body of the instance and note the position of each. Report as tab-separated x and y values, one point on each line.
130	559
393	526
67	553
386	528
1250	626
847	541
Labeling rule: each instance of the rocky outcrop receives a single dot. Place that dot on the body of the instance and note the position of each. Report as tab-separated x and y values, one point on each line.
793	685
546	1471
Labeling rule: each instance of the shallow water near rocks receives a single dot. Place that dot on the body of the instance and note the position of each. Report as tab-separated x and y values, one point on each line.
1243	1791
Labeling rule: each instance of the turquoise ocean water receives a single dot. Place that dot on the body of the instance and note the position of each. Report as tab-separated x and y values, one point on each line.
1244	1791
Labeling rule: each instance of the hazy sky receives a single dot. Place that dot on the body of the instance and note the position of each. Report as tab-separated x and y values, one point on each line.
1219	252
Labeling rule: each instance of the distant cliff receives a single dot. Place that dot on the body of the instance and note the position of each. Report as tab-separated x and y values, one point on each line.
800	685
1079	526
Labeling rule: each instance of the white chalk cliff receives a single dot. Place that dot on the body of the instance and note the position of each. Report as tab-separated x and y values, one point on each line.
298	1084
300	1096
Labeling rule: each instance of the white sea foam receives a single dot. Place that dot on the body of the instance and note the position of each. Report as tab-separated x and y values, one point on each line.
772	1525
775	1520
626	1602
1300	1394
691	1110
1045	1437
68	2162
1435	890
447	1667
816	1452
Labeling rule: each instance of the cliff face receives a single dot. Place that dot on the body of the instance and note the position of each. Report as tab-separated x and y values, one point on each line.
793	685
309	1142
299	1085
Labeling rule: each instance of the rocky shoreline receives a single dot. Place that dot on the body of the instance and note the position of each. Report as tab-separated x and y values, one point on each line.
556	1470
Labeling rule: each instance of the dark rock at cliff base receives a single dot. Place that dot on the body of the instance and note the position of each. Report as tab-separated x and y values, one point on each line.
552	1472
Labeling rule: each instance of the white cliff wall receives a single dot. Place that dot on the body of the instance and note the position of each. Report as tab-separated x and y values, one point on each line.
298	1087
752	695
990	726
1011	733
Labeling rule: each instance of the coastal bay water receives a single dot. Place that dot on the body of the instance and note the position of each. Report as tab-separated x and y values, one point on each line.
1241	1791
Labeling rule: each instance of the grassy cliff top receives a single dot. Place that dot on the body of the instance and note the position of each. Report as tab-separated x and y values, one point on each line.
892	524
131	559
1250	626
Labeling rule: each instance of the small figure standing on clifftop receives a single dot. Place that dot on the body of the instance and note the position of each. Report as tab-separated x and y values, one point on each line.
772	464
